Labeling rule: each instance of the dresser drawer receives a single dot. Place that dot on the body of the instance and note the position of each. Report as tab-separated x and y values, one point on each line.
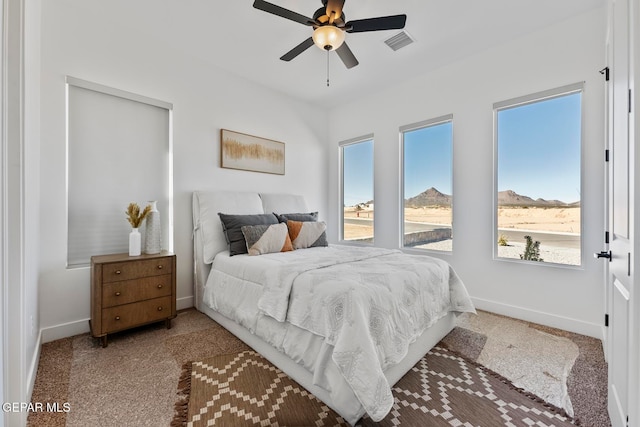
127	291
129	315
117	271
130	291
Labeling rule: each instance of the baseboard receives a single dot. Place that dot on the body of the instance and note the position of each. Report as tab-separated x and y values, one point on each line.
64	330
78	327
565	323
33	367
182	303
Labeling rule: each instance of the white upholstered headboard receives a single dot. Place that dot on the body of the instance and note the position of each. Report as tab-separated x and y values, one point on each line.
208	237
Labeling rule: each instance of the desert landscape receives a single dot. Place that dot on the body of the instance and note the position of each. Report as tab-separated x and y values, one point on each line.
516	214
557	220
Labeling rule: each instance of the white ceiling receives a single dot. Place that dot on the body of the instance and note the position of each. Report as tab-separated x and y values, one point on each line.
248	42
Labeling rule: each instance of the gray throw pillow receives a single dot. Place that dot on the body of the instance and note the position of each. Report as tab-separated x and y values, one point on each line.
232	226
303	217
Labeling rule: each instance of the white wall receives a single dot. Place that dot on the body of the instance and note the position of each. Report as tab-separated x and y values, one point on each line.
20	163
31	164
565	53
77	42
20	213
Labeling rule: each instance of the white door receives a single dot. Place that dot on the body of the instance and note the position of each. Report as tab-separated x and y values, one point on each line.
619	279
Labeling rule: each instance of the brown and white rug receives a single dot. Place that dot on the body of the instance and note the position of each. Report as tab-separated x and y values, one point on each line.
246	389
442	389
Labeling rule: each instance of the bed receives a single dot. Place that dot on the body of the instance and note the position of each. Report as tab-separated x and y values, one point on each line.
345	322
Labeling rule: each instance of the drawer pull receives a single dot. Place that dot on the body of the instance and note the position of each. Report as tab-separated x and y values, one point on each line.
117	294
117	317
118	271
160	267
160	286
160	308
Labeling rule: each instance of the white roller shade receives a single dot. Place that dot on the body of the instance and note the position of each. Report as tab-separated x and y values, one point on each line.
118	152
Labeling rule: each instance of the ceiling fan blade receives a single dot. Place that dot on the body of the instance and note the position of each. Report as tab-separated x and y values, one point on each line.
394	22
282	12
347	56
297	50
334	9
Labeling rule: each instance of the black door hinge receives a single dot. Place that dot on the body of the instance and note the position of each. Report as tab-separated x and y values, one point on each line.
605	72
606	237
606	320
606	155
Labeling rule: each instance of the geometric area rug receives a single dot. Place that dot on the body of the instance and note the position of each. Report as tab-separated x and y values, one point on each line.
442	389
244	389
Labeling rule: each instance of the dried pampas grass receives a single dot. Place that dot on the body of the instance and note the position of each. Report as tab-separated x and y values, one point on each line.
134	216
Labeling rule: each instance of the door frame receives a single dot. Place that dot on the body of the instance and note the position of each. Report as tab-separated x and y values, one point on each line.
12	286
634	187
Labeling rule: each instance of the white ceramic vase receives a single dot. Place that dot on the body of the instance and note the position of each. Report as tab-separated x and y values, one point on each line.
135	242
153	231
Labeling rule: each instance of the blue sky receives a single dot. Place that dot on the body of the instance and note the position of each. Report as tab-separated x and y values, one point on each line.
539	149
538	154
428	159
358	173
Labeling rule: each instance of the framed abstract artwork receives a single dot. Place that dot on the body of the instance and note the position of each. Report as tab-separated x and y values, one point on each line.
251	153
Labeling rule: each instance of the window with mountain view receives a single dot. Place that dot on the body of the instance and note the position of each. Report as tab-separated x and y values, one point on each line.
357	190
427	171
538	177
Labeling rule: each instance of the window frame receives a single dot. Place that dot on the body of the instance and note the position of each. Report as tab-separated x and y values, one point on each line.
72	84
341	146
447	118
520	101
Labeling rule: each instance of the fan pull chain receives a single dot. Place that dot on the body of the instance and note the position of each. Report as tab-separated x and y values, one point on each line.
328	68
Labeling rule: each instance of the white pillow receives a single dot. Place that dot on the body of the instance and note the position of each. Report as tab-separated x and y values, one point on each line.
207	204
281	203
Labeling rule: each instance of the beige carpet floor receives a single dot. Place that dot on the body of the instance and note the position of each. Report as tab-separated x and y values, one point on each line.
133	381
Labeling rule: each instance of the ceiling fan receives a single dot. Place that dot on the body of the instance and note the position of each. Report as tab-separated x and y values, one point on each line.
329	27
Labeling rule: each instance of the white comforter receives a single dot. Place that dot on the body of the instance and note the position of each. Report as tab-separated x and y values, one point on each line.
368	303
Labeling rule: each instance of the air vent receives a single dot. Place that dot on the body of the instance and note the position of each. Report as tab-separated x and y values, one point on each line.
399	41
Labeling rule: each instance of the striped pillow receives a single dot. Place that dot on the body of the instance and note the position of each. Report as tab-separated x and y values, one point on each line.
307	234
266	239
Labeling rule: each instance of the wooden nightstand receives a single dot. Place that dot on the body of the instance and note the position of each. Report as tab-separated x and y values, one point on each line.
129	291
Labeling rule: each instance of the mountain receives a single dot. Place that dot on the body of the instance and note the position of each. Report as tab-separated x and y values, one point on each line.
433	197
511	198
430	197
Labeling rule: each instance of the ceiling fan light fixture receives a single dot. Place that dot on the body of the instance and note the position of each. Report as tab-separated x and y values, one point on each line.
328	37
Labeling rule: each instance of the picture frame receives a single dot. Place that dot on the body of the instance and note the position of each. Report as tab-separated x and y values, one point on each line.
251	153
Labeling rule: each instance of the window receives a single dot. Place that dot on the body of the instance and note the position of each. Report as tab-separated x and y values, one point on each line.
118	151
357	189
427	216
538	146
